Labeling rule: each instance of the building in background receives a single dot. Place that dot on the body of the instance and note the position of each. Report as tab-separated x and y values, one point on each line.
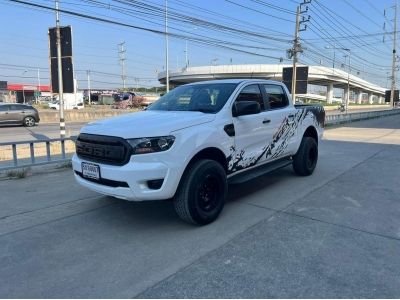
26	93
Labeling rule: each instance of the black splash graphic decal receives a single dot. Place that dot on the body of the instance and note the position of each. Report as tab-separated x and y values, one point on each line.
275	148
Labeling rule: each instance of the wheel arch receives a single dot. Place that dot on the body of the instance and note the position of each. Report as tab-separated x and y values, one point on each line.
311	131
211	153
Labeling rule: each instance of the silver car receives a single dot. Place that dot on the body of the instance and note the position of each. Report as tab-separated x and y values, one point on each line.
18	114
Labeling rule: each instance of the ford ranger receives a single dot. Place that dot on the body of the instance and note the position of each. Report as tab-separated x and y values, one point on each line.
193	141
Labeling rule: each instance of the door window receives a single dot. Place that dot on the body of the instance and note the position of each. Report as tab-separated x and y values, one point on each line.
251	93
3	107
276	96
16	107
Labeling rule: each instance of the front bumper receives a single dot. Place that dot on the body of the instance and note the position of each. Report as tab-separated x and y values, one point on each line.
136	174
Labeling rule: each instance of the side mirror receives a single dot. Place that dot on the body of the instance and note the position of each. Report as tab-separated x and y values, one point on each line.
243	108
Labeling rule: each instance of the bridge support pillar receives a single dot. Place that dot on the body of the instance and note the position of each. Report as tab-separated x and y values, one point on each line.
359	97
346	92
380	99
370	98
329	93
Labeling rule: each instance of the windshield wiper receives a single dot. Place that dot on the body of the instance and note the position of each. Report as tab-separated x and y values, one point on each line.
203	110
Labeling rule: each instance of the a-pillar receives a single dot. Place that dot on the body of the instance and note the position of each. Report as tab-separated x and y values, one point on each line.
371	98
359	97
329	93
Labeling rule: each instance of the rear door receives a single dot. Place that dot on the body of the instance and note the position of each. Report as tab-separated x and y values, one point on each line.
16	113
282	118
4	115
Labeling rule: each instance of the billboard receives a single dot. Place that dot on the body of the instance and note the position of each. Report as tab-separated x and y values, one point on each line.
389	92
3	85
66	59
301	79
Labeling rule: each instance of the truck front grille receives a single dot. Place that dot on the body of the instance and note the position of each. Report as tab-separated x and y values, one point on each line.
103	149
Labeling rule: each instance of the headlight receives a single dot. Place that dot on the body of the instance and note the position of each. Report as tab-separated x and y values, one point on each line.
150	145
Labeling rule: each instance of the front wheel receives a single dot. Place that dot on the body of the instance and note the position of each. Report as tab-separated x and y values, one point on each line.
202	192
29	122
305	160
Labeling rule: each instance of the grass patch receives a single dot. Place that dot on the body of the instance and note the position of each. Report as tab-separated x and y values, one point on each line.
19	173
65	165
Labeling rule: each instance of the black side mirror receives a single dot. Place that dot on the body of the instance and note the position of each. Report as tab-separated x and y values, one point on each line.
242	108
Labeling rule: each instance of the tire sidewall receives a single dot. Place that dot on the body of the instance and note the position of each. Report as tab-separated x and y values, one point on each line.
33	121
199	172
300	163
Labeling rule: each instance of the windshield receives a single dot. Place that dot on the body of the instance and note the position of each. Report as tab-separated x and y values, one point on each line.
206	98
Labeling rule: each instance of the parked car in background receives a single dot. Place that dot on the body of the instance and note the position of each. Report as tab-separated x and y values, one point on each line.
18	114
54	105
127	100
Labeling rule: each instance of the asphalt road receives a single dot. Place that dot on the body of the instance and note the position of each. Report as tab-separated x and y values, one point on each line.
52	130
334	234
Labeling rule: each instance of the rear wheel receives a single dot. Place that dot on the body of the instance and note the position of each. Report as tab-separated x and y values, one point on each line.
202	192
305	160
29	121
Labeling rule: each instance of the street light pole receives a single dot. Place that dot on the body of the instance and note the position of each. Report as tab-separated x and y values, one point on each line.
166	46
393	87
348	84
89	89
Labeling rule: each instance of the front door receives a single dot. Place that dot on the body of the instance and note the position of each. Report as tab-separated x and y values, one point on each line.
250	132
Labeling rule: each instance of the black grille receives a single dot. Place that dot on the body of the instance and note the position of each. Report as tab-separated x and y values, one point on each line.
103	149
103	181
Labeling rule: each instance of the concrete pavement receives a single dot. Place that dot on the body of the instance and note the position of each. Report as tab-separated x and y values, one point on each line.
333	234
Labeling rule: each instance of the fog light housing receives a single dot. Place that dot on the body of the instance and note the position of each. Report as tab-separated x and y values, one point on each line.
155	184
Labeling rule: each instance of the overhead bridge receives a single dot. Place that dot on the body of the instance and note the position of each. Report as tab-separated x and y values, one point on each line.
317	75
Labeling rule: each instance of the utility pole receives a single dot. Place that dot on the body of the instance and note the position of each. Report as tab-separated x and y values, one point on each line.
38	79
122	58
60	77
166	46
394	57
292	53
89	89
295	50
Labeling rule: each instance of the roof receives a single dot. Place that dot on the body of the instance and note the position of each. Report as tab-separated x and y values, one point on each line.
27	87
235	80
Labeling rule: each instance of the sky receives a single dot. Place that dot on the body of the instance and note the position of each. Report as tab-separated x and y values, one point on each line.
216	32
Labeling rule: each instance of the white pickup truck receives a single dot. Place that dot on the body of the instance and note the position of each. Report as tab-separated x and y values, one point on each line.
190	143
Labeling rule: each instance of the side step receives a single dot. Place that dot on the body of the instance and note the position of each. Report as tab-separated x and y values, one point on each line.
259	171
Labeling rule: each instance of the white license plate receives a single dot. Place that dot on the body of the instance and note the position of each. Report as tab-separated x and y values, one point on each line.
91	171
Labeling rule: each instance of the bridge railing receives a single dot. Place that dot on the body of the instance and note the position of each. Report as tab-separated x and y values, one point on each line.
357	116
24	154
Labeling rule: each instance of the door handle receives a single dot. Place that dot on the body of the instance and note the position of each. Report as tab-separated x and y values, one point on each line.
266	121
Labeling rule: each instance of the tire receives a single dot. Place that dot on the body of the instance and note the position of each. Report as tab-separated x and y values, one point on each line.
305	160
29	121
201	193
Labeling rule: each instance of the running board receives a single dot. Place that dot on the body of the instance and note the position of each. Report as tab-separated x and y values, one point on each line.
259	171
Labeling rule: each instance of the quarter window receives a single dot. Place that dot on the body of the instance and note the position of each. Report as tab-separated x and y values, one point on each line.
276	96
251	93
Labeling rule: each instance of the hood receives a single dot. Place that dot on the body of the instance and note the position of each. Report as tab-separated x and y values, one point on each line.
147	123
